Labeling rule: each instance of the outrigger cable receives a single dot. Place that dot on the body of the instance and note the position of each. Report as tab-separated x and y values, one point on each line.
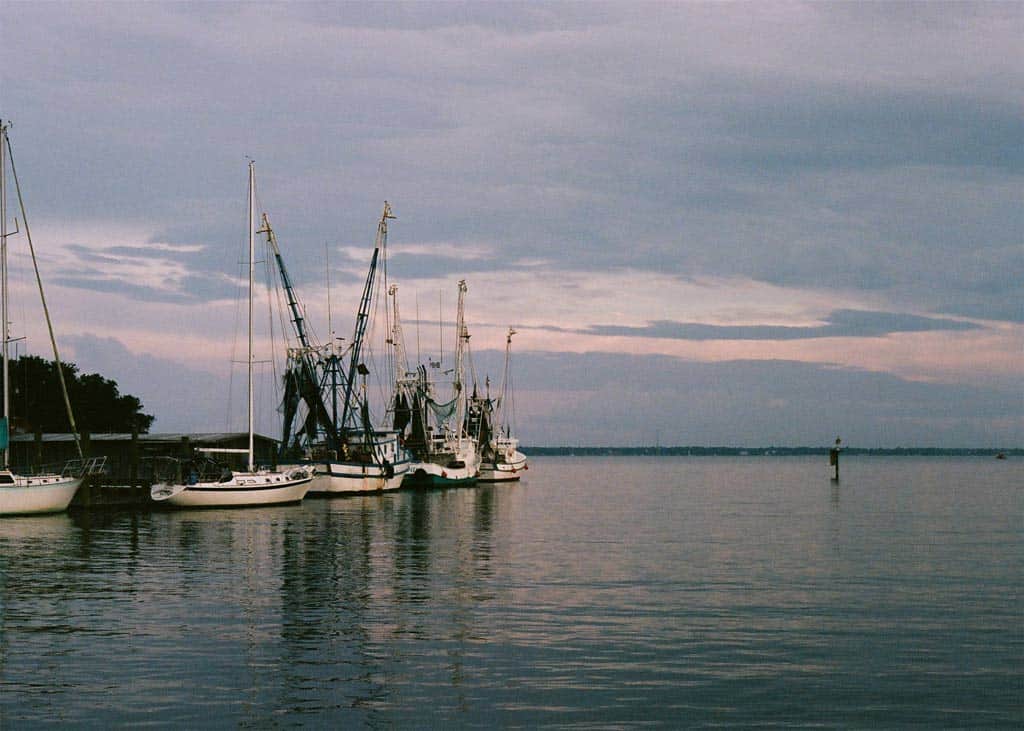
46	310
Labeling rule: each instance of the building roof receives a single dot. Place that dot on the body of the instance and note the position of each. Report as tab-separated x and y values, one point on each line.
161	437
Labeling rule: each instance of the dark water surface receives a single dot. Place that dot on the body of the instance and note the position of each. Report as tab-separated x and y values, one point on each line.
598	593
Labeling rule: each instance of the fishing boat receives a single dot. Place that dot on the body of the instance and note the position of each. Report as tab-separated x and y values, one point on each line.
202	482
47	492
500	458
346	452
444	451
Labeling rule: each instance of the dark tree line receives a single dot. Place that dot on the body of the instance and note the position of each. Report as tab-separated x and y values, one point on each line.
37	403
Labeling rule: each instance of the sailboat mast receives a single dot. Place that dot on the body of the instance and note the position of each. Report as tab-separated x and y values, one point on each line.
252	278
42	300
3	287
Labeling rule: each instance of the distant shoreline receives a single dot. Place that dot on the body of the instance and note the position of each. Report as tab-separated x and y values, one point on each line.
767	451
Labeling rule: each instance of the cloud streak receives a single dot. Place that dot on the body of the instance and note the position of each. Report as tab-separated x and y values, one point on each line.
839	324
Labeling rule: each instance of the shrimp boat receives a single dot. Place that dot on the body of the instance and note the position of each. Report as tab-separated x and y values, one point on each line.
344	450
38	493
445	453
500	458
202	483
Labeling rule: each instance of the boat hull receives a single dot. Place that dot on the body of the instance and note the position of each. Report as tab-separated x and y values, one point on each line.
242	490
502	471
349	478
430	475
384	472
36	495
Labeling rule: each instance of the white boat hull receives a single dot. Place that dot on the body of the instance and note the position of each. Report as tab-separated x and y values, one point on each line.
429	474
35	495
336	478
351	477
508	470
242	490
458	465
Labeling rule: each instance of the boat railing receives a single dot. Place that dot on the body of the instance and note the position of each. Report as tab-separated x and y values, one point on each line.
70	468
84	467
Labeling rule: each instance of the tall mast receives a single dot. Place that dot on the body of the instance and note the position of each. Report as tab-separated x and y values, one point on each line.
502	400
42	299
401	363
332	355
3	296
461	337
252	277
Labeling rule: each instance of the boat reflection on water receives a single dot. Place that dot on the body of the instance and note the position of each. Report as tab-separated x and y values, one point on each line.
206	615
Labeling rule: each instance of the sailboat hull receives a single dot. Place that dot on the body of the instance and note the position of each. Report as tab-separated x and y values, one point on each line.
242	490
32	496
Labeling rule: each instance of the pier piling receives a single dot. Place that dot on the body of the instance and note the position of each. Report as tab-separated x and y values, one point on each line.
833	459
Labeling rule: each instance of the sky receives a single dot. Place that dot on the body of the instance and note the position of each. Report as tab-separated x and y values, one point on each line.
710	224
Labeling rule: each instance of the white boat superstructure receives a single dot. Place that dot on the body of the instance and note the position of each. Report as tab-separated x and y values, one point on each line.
252	486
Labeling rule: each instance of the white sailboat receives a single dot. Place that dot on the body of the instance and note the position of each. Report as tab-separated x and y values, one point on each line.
501	460
220	487
40	493
446	455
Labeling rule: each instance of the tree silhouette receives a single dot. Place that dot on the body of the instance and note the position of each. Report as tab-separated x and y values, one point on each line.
37	403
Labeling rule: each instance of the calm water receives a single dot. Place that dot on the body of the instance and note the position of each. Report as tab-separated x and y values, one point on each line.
598	593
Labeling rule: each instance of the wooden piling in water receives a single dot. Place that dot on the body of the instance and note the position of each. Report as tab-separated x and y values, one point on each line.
833	459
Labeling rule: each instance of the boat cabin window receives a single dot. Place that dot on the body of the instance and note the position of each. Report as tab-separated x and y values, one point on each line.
6	479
